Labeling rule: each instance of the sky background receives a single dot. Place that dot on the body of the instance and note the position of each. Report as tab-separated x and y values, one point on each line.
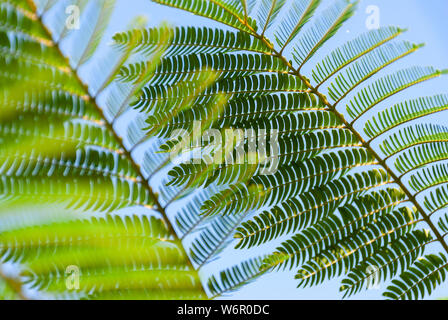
427	21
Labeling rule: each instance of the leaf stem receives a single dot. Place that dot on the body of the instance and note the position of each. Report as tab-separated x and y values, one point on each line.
364	143
14	284
110	126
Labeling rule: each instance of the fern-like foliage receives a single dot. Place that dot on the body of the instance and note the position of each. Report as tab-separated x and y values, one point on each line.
358	184
78	217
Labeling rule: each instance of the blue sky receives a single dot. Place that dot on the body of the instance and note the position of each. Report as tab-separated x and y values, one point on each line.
427	22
